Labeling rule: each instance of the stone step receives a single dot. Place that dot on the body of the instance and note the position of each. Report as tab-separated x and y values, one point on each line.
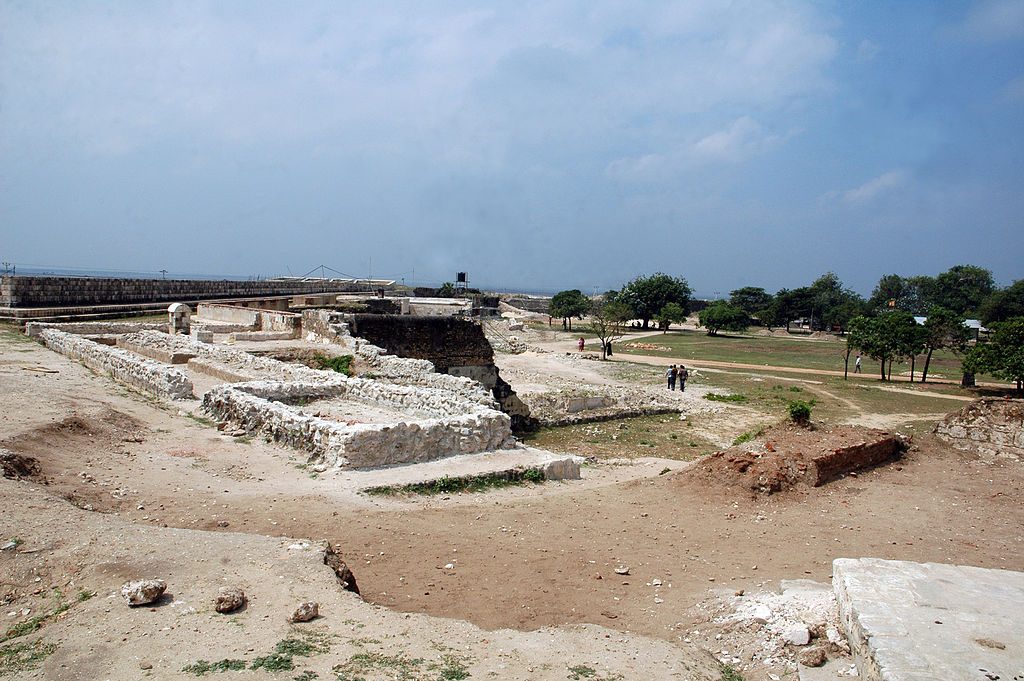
555	467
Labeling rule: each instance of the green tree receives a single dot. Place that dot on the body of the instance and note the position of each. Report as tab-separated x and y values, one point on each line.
910	294
792	303
1004	304
607	321
832	304
942	329
647	295
672	312
569	304
752	299
963	288
721	316
447	290
1003	354
885	337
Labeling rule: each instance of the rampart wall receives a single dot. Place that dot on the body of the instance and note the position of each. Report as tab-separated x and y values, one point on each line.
33	291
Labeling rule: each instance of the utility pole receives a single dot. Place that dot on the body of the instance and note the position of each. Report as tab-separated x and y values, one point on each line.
163	273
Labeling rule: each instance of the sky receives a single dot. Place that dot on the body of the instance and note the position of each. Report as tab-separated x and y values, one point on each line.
535	145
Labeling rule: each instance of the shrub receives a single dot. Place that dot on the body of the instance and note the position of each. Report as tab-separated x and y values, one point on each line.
342	364
800	412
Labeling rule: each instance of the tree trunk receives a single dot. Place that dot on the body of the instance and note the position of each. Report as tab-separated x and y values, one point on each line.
570	323
846	364
645	322
927	361
563	323
967	381
883	367
913	361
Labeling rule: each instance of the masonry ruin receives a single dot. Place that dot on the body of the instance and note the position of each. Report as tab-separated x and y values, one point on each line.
421	388
991	426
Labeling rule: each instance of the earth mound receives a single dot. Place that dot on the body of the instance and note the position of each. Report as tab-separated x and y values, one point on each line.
785	457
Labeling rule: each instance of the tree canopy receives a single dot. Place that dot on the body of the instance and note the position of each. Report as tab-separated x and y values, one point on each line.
1003	354
569	304
963	289
942	329
607	319
646	296
721	316
886	337
672	312
1004	304
752	299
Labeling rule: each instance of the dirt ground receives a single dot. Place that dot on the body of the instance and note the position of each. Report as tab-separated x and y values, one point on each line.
518	558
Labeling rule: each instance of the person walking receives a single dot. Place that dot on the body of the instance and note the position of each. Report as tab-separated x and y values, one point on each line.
683	375
856	365
671	376
580	343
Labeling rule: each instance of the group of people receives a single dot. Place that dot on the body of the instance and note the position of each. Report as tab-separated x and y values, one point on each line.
677	374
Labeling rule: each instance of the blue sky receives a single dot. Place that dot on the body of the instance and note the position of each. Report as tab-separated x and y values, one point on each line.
536	145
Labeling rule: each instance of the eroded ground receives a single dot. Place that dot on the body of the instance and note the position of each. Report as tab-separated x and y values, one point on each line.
134	469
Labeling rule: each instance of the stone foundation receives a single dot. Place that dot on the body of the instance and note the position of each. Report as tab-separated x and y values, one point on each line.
991	426
827	467
33	329
122	365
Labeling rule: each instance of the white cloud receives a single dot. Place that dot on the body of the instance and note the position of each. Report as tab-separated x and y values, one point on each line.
867	50
994	20
871	189
740	140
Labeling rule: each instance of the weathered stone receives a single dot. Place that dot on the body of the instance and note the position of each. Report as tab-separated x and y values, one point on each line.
306	612
143	591
813	657
344	575
797	635
229	599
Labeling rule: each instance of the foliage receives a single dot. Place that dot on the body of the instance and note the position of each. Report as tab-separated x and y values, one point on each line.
721	316
447	290
910	294
942	329
963	288
752	299
799	412
729	673
1004	304
455	485
401	666
672	312
1003	354
646	296
275	662
606	321
202	667
569	304
342	363
20	657
886	337
715	397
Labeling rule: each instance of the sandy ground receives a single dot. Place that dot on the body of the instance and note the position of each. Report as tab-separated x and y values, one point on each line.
127	476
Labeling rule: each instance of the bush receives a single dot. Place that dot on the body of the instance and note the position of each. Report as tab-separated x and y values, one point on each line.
800	412
342	364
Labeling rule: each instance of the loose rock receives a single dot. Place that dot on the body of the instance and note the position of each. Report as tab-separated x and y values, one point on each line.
309	610
797	635
143	591
813	657
229	599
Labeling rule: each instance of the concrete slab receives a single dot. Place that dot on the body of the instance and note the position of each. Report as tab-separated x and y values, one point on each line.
464	465
928	621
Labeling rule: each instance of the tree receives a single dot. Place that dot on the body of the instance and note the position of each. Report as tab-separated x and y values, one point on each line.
672	312
885	337
942	329
963	288
752	299
569	304
832	304
1004	304
607	321
1003	354
721	315
792	303
910	342
447	290
910	294
647	295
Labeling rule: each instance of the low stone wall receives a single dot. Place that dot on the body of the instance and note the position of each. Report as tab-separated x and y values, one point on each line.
260	408
33	329
991	425
827	467
159	354
122	365
259	336
248	318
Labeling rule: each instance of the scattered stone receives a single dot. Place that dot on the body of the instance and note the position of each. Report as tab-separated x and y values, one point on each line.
740	592
143	591
797	635
9	545
306	612
655	582
239	433
813	657
346	579
229	599
622	570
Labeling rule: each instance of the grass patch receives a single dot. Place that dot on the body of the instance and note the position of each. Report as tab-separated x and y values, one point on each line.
342	363
202	667
729	673
715	397
22	657
581	672
201	420
398	666
748	436
307	675
85	595
33	624
452	667
275	662
475	483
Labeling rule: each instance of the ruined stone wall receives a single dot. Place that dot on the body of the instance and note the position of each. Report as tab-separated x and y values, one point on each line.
122	365
444	341
34	291
33	329
827	467
993	426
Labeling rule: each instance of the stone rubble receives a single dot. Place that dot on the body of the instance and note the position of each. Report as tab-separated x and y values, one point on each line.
229	599
143	591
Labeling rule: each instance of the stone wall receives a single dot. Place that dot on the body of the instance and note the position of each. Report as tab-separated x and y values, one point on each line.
251	318
33	329
35	291
991	425
122	365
